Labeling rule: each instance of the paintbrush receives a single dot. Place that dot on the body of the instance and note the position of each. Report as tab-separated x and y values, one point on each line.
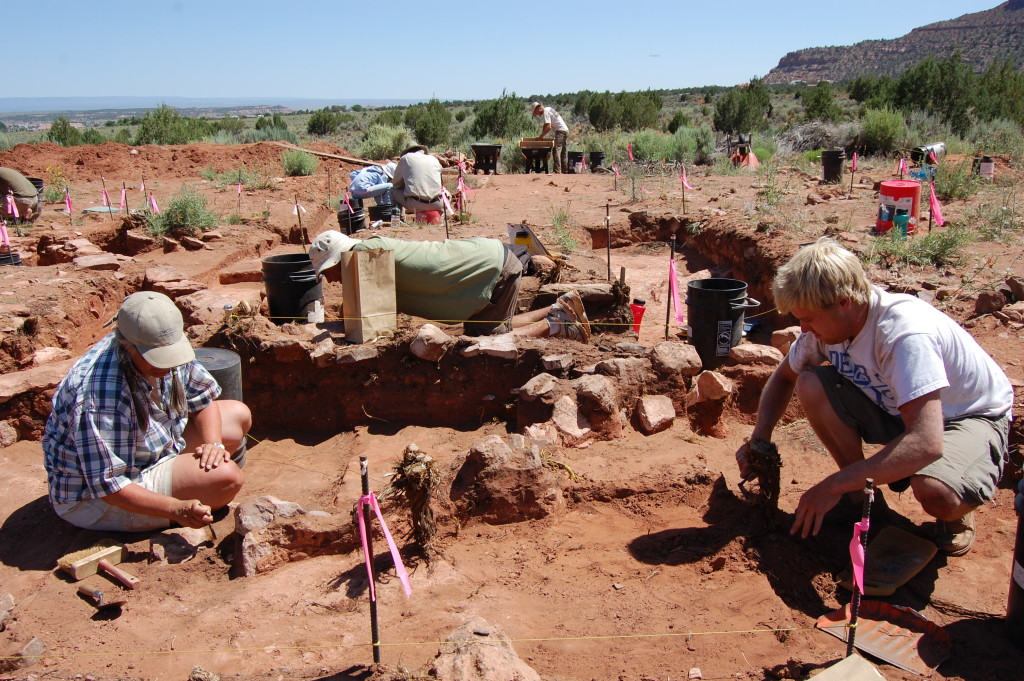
101	557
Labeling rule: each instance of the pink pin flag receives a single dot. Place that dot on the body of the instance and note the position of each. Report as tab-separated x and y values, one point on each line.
152	203
67	201
629	150
124	198
673	284
936	209
106	198
857	552
644	189
297	208
931	157
3	234
12	205
615	167
903	166
239	188
447	203
371	501
142	187
682	176
853	164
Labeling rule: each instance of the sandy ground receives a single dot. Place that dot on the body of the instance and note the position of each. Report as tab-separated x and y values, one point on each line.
657	566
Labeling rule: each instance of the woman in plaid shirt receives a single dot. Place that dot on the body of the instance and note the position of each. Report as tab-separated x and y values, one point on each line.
124	413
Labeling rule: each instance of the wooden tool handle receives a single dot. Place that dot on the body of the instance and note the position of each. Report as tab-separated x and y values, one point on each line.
91	592
130	581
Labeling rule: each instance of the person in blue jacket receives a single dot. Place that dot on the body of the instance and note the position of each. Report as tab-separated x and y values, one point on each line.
373	181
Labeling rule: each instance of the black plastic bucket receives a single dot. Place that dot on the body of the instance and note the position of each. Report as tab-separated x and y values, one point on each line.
381	212
832	165
291	286
351	221
38	184
574	158
715	309
1015	602
596	160
10	259
226	367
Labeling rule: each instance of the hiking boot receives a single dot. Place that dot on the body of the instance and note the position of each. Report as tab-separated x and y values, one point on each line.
955	537
850	509
570	318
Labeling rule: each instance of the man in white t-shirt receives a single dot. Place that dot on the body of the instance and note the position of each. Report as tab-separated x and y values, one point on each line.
553	122
901	374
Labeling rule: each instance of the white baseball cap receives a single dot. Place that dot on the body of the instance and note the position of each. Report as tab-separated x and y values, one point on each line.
326	249
152	323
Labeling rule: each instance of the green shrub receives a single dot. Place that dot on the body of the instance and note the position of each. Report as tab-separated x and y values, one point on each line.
679	120
323	122
269	135
222	137
995	221
123	136
684	145
5	142
63	133
461	115
297	162
999	136
882	131
512	158
93	136
650	145
164	125
705	145
502	118
955	181
271	122
384	141
186	213
433	125
763	153
936	248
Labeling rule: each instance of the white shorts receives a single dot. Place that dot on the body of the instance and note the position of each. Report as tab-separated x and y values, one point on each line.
96	514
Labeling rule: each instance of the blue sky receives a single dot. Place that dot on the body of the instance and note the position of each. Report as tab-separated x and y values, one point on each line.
415	50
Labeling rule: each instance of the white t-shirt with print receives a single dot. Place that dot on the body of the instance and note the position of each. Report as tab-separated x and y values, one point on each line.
907	349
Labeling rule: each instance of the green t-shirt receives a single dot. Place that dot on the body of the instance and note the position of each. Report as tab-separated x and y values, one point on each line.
13	180
442	280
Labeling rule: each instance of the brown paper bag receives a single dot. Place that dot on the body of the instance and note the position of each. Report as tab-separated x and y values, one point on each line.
368	294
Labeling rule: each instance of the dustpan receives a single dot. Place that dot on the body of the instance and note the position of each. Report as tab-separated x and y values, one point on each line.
900	636
892	560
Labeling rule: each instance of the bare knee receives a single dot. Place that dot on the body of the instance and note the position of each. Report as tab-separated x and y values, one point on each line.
937	498
221	484
809	390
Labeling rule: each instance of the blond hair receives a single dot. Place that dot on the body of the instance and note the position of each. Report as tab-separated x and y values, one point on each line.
819	276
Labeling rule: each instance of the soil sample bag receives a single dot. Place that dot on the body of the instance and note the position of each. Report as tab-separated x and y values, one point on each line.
368	294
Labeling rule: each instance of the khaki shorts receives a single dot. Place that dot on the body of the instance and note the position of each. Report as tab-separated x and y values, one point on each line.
96	514
496	316
974	448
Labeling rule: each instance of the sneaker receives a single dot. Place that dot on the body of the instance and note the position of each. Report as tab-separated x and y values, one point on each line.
955	537
570	317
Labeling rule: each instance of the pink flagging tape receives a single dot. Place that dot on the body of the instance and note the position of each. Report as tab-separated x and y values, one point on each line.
371	501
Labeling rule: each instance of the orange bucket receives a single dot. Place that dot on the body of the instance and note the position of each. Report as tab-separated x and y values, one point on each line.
897	197
431	217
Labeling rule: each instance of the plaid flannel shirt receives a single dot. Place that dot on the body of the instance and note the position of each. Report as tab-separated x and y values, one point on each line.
92	443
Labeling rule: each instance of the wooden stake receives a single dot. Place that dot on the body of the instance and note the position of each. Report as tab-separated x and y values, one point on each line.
124	190
374	631
302	231
622	275
106	201
328	186
608	232
239	192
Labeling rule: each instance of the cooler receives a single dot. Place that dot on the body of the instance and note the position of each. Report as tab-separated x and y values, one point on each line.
897	197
